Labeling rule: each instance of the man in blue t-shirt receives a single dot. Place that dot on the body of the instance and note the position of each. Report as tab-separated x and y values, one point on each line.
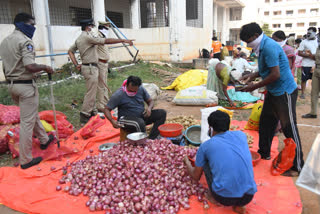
130	99
280	100
227	164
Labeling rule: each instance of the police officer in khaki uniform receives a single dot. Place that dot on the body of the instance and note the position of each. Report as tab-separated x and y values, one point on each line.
18	56
315	84
87	46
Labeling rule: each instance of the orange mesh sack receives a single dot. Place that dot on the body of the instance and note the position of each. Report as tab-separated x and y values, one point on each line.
284	160
253	122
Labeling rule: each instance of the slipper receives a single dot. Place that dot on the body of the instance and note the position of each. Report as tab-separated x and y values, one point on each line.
290	173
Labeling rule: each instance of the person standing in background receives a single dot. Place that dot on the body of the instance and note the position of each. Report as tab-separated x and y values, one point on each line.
297	64
216	48
291	39
307	48
224	52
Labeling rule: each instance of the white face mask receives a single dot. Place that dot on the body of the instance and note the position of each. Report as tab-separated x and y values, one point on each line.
255	44
282	43
311	35
210	132
105	32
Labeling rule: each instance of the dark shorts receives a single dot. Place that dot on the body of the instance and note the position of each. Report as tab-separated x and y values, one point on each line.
306	74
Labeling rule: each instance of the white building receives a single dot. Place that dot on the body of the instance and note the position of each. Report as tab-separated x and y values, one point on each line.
291	16
168	30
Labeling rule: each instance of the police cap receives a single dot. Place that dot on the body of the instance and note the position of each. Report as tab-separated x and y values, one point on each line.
86	22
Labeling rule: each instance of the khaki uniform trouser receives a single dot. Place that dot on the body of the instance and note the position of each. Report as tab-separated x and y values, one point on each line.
102	91
315	91
27	97
90	74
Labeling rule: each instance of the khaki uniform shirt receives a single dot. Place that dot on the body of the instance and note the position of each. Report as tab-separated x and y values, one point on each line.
103	50
317	69
87	46
17	51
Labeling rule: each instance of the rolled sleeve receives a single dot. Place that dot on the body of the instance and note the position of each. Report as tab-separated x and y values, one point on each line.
28	53
73	48
301	46
200	158
114	101
96	41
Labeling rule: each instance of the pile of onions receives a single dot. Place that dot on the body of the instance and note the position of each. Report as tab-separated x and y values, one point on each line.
134	179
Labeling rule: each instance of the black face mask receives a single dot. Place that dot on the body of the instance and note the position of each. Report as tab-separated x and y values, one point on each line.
28	30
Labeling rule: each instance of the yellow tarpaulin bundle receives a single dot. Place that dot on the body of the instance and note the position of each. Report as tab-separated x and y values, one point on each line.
47	126
189	79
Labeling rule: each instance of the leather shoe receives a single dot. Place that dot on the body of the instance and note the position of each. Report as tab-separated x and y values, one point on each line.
33	162
45	146
309	116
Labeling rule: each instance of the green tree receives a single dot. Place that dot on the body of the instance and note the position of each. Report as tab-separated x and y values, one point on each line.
266	30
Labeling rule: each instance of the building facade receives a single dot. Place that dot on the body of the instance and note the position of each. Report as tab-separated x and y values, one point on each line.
290	16
167	30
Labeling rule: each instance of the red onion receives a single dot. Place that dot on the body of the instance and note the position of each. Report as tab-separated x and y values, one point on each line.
58	188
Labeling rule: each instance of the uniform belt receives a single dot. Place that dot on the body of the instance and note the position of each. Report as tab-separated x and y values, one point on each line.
103	60
20	81
92	64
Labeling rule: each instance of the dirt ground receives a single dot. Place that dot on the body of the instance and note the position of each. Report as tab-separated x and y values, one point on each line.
310	200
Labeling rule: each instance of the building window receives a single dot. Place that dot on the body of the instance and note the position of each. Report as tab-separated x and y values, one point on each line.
277	0
277	13
302	11
301	24
194	13
9	9
266	13
289	12
267	1
312	24
235	14
116	18
314	11
154	13
69	12
288	25
276	25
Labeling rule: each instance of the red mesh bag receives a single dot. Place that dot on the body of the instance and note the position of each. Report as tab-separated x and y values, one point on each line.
284	160
9	114
89	129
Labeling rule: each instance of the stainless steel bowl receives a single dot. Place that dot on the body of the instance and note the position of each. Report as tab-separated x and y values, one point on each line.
106	146
137	137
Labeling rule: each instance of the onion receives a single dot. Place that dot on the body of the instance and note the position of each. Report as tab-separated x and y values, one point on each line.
58	188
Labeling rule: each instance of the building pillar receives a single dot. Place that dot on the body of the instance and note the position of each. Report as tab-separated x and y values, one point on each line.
135	14
98	11
177	26
224	32
41	35
215	17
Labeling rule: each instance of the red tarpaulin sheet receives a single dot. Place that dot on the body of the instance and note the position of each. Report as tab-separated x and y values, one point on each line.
33	191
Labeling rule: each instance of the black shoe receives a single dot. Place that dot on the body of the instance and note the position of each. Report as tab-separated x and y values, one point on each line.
84	118
33	162
265	158
309	116
45	146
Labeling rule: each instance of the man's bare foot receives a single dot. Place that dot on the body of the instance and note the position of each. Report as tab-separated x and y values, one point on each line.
240	210
211	199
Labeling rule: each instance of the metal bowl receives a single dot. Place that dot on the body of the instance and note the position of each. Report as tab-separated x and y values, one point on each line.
106	146
137	137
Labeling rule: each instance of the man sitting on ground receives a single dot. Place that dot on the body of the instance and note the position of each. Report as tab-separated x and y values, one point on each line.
227	164
129	99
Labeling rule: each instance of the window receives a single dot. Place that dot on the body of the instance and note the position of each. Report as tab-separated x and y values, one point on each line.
194	13
277	13
78	14
277	0
302	11
289	12
312	24
9	9
301	24
288	25
276	25
154	13
314	11
267	1
116	18
235	14
266	13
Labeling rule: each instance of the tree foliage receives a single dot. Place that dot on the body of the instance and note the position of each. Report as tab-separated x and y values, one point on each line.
266	30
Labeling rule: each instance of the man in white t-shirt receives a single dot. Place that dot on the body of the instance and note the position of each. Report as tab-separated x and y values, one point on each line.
307	47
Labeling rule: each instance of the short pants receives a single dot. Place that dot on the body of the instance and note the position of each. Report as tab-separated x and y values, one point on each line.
306	74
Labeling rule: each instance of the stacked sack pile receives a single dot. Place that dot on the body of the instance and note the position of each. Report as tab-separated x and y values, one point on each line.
10	119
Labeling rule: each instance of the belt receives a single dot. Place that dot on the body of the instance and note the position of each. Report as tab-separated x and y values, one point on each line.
103	60
20	81
90	64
